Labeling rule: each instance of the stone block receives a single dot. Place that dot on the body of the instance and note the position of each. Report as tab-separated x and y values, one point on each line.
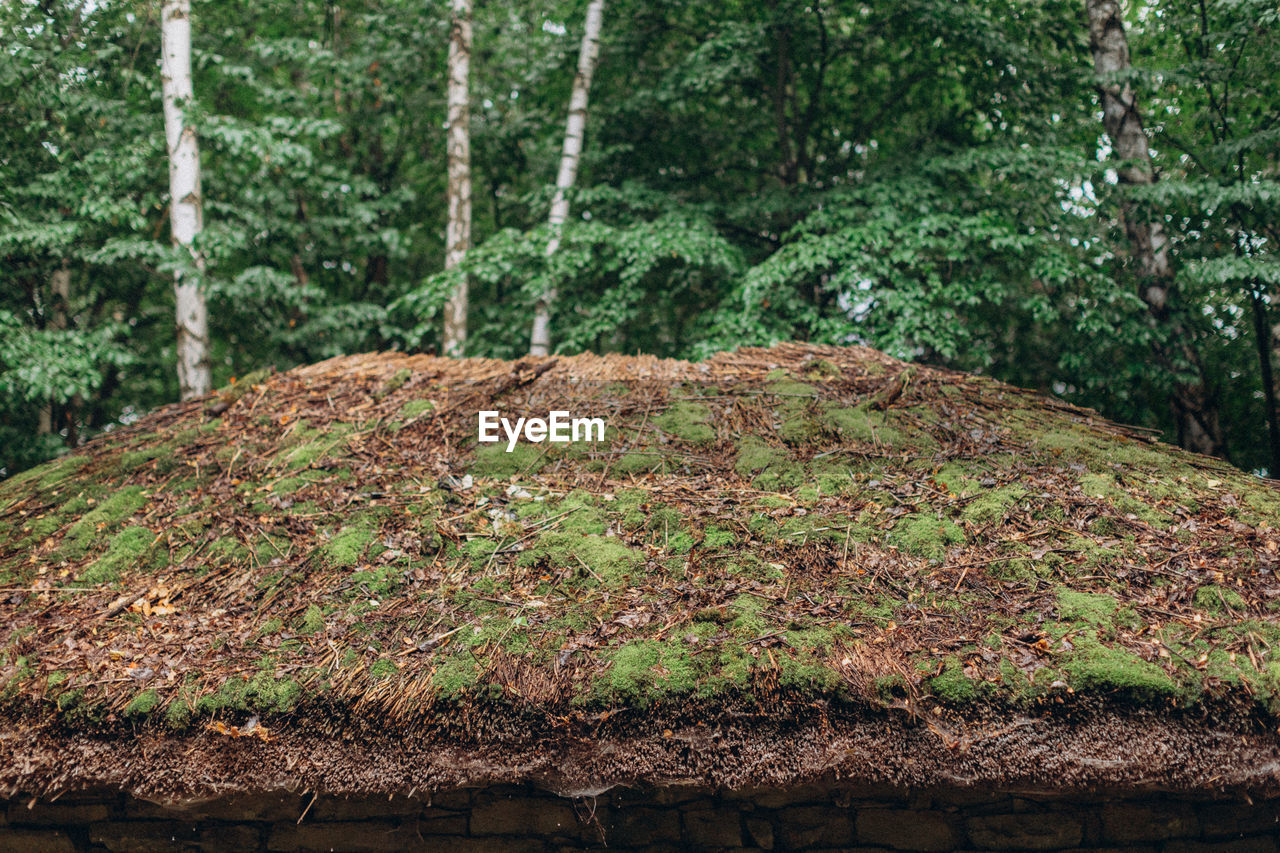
1026	831
905	829
135	836
361	836
715	827
363	808
456	798
57	813
485	845
804	827
541	816
635	826
231	837
1234	820
261	807
1260	844
760	832
1125	822
35	841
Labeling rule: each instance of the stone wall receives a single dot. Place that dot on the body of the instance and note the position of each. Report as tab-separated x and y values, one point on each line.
518	819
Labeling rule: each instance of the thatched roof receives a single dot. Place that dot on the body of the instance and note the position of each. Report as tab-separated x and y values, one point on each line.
781	564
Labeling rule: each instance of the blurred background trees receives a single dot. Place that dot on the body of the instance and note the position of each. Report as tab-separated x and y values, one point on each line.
929	177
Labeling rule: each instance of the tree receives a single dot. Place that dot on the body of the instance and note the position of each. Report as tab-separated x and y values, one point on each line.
458	230
575	129
185	200
1199	428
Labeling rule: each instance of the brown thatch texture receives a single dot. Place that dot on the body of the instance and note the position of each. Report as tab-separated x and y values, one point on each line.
795	531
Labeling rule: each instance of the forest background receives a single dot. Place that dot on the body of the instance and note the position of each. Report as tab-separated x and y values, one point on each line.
1069	196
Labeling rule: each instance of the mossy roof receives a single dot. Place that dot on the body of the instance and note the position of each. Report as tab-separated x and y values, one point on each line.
798	531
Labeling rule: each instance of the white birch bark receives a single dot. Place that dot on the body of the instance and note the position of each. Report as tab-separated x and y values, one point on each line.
1199	427
575	129
457	238
185	199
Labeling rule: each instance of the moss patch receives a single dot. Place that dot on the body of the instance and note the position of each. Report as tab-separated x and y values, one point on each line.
687	421
925	535
493	462
952	685
1094	667
129	549
602	557
767	467
102	520
1219	599
347	547
1095	609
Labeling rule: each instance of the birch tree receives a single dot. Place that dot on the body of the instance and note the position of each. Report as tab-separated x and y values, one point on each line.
185	199
1197	419
540	339
458	229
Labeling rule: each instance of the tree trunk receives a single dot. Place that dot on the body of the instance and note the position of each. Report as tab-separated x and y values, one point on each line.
59	304
1193	401
457	238
540	339
186	202
1263	335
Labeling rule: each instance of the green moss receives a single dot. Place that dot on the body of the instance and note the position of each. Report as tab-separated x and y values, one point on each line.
383	668
262	692
767	467
603	557
307	446
643	670
226	551
863	425
1219	599
958	478
680	542
493	462
129	549
990	508
714	538
640	462
925	535
1095	609
272	626
397	380
820	369
142	704
132	460
1262	505
45	476
456	674
347	547
1094	667
107	516
412	409
178	713
687	421
312	621
952	685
